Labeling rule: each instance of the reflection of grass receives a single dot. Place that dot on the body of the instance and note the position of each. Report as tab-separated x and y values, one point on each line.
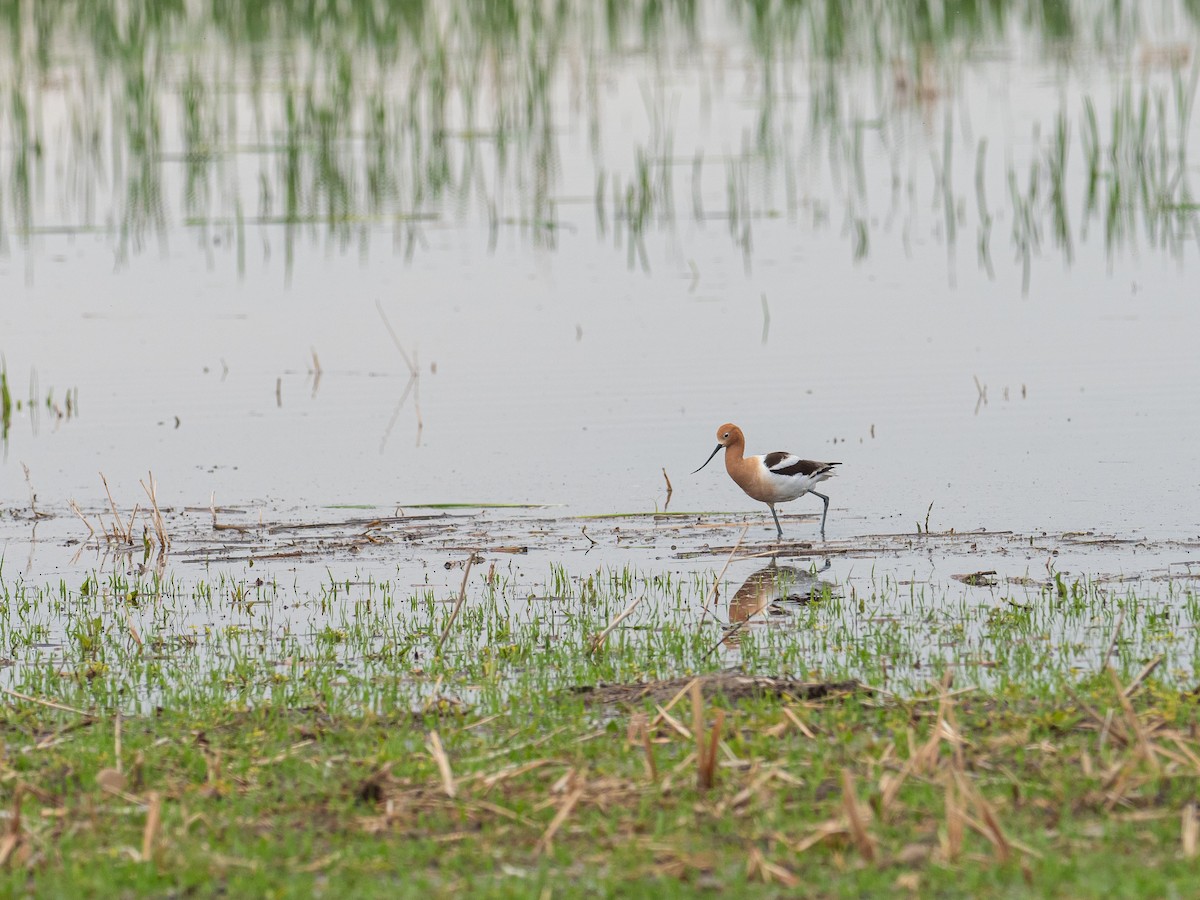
67	410
6	405
349	218
333	126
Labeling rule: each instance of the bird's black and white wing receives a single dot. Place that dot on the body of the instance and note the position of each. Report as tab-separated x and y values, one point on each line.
780	463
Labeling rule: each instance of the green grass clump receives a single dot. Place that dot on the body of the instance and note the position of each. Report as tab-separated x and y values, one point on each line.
954	794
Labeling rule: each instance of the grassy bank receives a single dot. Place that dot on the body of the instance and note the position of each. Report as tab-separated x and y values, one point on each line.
1086	789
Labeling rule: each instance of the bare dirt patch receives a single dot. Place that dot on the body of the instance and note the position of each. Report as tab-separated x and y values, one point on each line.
732	686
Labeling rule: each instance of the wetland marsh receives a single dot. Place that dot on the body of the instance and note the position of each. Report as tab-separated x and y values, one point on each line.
394	331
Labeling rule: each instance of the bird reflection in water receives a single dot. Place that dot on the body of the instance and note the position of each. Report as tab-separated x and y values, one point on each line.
771	585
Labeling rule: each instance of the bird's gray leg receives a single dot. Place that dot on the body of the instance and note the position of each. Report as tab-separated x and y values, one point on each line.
778	527
824	513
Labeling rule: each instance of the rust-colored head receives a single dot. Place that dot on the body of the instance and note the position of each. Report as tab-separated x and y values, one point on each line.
727	435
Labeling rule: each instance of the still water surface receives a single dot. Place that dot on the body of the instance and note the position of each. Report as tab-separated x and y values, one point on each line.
596	239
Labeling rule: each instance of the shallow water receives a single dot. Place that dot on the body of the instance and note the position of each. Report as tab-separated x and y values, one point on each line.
254	605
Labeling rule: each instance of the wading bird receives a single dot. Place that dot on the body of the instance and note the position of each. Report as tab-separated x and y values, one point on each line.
774	478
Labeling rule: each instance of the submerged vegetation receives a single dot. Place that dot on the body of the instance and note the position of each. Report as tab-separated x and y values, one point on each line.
6	404
253	126
38	403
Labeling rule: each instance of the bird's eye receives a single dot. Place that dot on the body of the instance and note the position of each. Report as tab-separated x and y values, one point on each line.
725	435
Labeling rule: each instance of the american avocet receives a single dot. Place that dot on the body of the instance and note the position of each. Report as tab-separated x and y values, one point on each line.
774	478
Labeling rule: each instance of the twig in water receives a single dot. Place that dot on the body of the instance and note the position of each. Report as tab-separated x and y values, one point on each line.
412	370
1112	641
1143	675
116	515
599	639
128	537
160	527
712	592
133	632
75	509
462	595
43	515
414	378
981	399
38	700
730	632
317	371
